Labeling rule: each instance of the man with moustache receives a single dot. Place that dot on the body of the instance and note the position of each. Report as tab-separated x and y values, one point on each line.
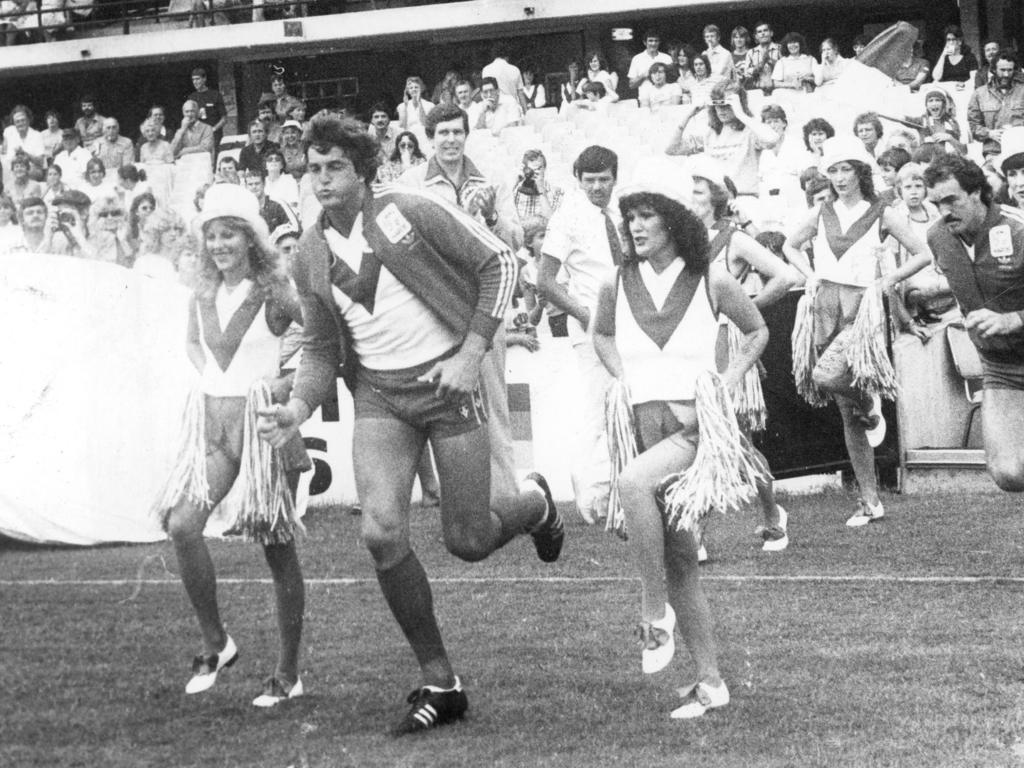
90	124
979	247
1000	104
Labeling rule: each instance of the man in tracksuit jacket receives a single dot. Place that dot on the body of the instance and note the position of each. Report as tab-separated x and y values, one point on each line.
979	247
403	292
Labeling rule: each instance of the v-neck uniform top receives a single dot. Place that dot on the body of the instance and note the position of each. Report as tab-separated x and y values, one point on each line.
662	351
847	243
238	343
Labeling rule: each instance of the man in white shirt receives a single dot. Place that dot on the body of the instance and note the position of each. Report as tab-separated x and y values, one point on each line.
464	95
494	111
641	63
583	238
508	76
73	158
719	57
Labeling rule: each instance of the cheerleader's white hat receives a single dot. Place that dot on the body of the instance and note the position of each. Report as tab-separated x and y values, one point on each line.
840	149
1011	144
703	167
231	201
661	177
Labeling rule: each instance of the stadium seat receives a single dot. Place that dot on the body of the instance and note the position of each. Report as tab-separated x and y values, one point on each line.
968	365
540	117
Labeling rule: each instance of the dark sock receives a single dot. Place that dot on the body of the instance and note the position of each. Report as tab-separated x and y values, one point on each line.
407	592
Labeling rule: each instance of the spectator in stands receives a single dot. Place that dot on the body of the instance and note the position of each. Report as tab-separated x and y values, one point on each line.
495	111
381	129
107	233
595	99
641	63
598	72
818	190
291	149
33	226
795	70
271	211
52	135
266	115
902	138
464	95
96	182
868	128
889	163
73	158
21	137
532	194
212	109
860	42
681	72
957	63
718	57
406	154
283	102
534	95
114	149
700	88
761	59
252	154
741	42
67	231
413	111
734	139
816	131
130	183
281	186
54	184
10	229
832	64
995	107
193	137
1011	164
987	66
507	75
298	113
572	82
154	149
227	171
939	114
159	117
915	70
140	209
444	91
656	91
162	241
90	124
583	238
21	184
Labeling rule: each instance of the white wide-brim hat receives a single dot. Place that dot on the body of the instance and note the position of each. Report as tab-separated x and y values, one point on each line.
840	149
231	200
661	177
703	167
1011	143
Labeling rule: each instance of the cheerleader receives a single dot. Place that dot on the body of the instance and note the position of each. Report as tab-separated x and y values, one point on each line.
240	308
655	330
847	237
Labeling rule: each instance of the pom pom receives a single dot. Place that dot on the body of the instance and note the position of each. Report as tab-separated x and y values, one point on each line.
869	359
751	412
621	431
188	477
805	354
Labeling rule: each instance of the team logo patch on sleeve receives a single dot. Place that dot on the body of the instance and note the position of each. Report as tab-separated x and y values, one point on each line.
393	224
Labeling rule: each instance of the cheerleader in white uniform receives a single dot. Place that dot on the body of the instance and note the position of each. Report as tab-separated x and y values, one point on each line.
242	305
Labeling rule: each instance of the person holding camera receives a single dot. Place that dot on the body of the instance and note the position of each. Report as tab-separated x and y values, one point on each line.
67	233
532	194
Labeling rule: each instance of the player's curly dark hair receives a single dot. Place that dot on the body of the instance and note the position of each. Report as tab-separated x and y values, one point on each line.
327	130
688	232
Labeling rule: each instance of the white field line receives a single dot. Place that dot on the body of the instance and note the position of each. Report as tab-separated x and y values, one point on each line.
350	582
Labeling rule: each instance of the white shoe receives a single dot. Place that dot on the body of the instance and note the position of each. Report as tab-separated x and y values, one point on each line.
274	692
206	667
779	544
876	435
658	639
702	553
699	698
865	514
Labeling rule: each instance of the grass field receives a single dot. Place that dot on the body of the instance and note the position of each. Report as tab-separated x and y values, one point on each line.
900	644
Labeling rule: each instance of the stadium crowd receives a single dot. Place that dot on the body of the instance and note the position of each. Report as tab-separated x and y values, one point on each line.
845	207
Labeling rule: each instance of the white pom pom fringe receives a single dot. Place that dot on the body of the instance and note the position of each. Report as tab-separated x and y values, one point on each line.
869	360
267	511
621	431
751	412
188	477
805	355
724	472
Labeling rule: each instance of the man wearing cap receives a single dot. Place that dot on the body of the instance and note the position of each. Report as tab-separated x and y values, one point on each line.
193	136
114	149
1000	104
406	292
212	109
73	158
583	237
90	124
1010	163
979	247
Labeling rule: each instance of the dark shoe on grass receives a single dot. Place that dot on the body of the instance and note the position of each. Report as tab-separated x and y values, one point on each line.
549	534
431	707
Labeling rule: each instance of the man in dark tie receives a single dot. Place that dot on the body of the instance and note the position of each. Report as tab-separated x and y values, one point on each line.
583	237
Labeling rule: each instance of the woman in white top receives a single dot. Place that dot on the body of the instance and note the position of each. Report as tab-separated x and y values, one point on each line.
795	70
655	92
242	305
597	72
280	186
413	111
681	73
655	328
832	64
847	237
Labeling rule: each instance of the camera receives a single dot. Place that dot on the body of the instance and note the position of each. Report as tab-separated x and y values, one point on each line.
66	219
528	186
